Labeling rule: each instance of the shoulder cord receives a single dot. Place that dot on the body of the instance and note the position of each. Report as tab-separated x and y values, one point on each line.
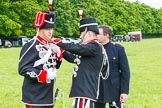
27	50
105	60
30	46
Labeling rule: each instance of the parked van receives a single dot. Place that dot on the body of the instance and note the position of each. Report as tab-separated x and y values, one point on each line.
135	35
19	40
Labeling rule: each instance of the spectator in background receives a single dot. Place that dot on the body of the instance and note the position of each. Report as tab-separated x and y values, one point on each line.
115	89
38	62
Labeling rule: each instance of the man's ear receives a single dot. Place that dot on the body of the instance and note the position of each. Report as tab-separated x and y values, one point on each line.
108	36
90	34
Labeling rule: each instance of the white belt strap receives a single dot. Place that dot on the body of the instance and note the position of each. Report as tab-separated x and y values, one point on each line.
44	59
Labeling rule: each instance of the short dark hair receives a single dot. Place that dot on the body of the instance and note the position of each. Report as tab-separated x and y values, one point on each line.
106	29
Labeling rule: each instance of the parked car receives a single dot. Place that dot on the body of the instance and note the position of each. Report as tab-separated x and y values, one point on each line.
6	44
118	38
75	40
68	39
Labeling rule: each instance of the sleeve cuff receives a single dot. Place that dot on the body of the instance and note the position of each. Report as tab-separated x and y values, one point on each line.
42	77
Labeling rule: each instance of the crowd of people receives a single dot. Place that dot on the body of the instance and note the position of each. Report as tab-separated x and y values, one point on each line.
101	71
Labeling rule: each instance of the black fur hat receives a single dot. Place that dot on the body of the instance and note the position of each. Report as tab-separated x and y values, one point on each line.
90	24
49	21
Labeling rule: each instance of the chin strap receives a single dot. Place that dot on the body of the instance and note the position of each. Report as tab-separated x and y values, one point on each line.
85	31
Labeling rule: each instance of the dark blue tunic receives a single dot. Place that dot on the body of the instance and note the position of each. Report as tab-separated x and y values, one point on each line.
118	80
34	92
88	60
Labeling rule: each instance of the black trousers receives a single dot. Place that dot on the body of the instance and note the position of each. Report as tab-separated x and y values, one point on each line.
30	106
114	104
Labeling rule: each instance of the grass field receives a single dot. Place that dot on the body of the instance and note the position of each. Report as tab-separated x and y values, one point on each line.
145	59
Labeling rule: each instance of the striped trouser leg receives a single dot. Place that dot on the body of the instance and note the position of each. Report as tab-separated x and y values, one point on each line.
83	103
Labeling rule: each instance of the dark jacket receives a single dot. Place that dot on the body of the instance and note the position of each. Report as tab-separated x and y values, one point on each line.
33	91
119	76
88	60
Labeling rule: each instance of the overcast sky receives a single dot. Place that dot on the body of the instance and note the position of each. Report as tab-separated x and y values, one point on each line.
153	3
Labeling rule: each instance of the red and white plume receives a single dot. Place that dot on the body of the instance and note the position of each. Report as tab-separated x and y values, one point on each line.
50	5
80	14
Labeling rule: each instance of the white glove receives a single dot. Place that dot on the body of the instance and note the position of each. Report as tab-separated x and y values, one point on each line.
55	48
51	74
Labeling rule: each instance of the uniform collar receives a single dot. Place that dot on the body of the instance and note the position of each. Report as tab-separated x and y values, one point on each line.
92	40
95	39
41	39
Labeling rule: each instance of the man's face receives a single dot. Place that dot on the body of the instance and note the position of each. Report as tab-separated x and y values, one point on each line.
82	35
47	33
85	36
102	38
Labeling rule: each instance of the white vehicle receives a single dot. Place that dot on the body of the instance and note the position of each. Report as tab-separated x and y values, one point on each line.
75	40
25	40
6	44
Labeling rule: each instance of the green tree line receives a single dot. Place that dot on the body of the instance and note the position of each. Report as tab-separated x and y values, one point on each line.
17	16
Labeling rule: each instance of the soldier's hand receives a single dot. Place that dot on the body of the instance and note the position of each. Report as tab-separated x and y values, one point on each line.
51	73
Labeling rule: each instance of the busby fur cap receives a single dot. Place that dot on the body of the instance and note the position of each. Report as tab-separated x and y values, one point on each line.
90	24
44	19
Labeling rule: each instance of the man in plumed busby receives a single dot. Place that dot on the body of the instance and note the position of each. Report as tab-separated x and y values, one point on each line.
87	57
38	62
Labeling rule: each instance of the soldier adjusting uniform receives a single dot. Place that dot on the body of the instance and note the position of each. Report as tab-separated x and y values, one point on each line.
88	60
